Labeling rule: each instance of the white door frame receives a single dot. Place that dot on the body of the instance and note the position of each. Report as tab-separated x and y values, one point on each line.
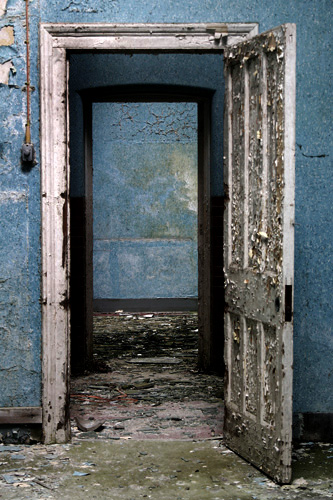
55	41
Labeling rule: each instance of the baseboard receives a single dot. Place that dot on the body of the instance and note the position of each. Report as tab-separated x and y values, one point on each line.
145	305
313	427
21	415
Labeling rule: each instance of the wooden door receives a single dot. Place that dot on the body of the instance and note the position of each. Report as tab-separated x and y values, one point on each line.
259	248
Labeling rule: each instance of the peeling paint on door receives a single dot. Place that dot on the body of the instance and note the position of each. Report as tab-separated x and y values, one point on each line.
259	218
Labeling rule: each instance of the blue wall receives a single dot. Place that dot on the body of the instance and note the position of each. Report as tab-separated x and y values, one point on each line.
100	70
145	200
20	318
166	267
313	257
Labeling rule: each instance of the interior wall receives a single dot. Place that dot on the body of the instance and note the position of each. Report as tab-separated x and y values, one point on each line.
145	200
20	339
174	248
20	314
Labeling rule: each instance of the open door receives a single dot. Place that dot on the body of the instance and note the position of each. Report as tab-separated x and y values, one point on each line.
259	248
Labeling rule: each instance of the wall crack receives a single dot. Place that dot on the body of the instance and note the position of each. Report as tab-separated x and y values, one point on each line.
310	156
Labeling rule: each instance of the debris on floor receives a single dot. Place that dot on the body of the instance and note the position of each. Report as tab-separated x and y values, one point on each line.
151	430
152	386
89	425
157	470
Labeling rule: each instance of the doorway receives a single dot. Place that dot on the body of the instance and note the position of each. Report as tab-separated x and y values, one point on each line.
142	251
56	42
167	77
259	151
145	203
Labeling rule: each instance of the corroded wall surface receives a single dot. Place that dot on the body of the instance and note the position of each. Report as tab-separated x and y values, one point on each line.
20	321
20	313
145	200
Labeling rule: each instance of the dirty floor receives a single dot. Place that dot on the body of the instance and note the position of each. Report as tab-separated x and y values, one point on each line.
158	470
146	384
160	426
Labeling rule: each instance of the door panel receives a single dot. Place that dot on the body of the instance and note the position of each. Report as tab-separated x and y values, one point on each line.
259	241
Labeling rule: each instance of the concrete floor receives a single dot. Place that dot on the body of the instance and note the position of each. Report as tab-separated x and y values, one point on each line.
170	470
161	433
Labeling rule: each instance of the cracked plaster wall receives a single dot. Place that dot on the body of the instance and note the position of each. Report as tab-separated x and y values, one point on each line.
20	220
145	200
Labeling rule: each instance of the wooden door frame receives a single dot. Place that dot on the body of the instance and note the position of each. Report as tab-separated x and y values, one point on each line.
56	40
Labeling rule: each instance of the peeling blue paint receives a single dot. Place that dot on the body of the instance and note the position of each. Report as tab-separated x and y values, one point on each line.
20	316
20	220
145	186
20	343
172	139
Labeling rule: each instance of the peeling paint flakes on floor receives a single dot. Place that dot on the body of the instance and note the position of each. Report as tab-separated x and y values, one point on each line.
156	439
161	396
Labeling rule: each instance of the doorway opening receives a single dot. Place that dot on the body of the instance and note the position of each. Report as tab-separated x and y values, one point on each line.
259	217
57	42
135	251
